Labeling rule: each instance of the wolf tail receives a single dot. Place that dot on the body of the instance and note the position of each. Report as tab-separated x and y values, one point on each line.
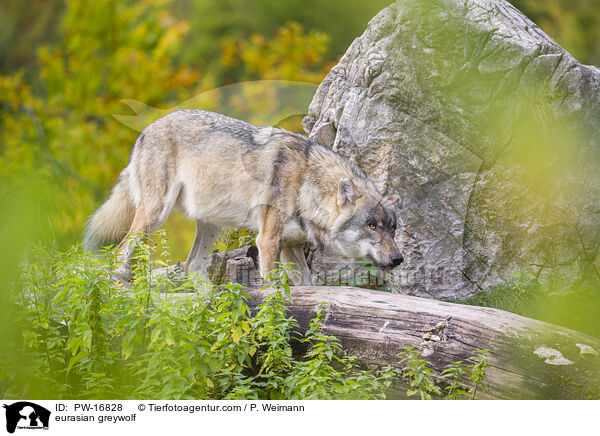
109	224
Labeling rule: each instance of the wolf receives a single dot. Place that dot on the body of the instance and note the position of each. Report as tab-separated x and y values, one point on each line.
224	172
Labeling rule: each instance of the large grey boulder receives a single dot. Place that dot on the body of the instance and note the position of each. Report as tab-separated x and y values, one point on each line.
490	133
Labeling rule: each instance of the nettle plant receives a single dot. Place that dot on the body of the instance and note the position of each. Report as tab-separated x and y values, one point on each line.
458	381
79	333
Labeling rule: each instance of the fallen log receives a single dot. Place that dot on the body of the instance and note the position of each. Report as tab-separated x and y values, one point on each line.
527	358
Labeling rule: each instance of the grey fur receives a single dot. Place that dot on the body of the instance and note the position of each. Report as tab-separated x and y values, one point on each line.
224	172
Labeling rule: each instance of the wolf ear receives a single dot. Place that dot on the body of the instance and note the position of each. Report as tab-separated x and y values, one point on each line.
347	194
393	199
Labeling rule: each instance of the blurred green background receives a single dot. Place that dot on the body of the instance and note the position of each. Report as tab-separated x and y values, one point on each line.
65	66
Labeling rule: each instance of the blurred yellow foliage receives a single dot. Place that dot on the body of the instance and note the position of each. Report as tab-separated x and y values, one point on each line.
57	127
64	131
289	55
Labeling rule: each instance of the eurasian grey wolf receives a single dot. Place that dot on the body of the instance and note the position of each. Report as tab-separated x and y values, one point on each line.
224	172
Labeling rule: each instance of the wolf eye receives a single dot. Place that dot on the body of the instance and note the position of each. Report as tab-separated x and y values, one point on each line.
393	229
372	225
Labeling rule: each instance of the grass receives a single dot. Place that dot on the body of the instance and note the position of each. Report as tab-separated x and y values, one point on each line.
572	307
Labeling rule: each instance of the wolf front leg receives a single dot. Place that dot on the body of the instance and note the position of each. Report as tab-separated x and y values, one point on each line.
268	240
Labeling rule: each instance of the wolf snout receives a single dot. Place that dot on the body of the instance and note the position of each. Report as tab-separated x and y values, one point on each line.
397	259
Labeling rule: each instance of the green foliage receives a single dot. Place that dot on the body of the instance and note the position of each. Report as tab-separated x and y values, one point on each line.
325	375
419	374
473	370
78	333
231	239
362	276
56	128
242	20
571	305
25	25
574	24
289	55
458	380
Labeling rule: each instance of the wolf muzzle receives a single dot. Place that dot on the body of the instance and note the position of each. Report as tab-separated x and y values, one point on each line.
397	259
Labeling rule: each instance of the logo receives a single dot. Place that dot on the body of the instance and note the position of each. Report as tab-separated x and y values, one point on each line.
26	415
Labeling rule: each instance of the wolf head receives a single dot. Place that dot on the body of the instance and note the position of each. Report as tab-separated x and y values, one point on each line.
366	225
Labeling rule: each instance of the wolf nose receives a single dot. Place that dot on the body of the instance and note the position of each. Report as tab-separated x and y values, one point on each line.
397	259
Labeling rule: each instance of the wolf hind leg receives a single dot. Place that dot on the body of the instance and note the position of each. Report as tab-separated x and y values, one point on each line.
127	246
149	216
295	254
206	235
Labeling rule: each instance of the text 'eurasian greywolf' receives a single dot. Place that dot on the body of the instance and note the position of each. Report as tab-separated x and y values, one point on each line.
224	172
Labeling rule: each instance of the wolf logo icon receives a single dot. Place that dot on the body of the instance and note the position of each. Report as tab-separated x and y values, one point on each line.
26	415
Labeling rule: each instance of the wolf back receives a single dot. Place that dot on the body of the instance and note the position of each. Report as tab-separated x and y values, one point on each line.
224	172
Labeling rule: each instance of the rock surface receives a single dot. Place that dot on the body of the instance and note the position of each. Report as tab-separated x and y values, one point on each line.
490	133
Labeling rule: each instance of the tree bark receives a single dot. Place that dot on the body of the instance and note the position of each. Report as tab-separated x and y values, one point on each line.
528	359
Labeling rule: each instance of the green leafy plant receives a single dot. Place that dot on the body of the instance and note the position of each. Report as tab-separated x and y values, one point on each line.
327	374
472	370
362	276
418	373
458	380
81	333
